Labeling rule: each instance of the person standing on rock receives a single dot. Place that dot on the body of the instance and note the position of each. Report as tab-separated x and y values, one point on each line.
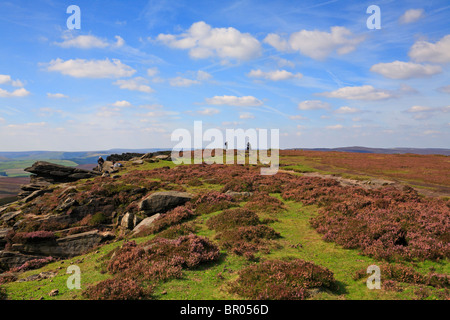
100	162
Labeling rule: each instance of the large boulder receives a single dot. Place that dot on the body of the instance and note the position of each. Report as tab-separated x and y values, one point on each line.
160	202
145	224
69	246
55	173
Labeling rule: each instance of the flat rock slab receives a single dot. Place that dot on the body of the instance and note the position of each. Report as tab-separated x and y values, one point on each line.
54	173
160	202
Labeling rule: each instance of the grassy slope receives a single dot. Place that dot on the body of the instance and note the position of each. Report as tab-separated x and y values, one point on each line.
211	281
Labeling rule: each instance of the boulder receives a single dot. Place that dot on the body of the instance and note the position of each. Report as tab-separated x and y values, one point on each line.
163	157
160	202
138	162
129	221
69	246
235	194
55	173
145	224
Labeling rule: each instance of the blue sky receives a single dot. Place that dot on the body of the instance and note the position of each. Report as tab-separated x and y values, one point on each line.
136	71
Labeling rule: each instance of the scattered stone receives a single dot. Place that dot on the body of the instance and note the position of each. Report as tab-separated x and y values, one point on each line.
137	162
53	293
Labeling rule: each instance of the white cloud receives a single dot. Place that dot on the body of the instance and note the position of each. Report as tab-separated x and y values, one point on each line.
203	75
81	68
276	75
284	62
365	92
182	82
6	79
405	70
335	127
22	92
445	89
246	101
429	132
246	115
415	109
134	84
347	110
424	51
203	41
317	44
297	117
56	95
151	72
313	105
411	15
88	42
208	111
121	104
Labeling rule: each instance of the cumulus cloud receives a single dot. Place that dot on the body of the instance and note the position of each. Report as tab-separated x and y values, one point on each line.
203	41
121	104
411	15
246	101
81	68
182	82
425	112
297	117
275	75
134	84
366	92
317	44
88	42
185	82
6	79
56	95
405	70
347	110
415	109
208	111
313	105
22	92
424	51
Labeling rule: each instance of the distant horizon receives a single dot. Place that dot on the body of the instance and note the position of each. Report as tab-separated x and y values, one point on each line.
167	149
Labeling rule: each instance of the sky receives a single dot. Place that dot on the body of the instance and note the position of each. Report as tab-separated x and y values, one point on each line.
136	71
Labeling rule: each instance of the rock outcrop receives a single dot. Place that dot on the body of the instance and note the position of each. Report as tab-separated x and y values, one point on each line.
160	202
55	173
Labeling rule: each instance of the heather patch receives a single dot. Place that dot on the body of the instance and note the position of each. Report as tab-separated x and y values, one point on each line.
282	280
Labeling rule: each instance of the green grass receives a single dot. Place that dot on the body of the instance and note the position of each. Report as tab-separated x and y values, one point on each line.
212	280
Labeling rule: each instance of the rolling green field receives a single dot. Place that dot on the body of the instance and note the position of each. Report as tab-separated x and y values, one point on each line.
212	281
